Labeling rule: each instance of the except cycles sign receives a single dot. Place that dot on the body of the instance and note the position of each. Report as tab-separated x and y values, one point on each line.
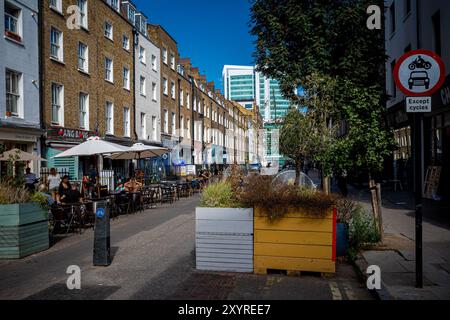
419	73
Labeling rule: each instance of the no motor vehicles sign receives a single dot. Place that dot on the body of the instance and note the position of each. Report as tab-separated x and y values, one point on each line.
419	73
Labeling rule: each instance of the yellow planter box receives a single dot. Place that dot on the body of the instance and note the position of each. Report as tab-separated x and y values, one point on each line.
296	242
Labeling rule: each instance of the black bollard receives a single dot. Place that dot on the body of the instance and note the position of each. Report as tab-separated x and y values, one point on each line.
102	240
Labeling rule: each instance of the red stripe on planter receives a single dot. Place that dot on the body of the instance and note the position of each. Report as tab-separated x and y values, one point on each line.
334	232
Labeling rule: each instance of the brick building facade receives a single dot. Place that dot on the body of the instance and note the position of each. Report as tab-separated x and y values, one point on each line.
83	78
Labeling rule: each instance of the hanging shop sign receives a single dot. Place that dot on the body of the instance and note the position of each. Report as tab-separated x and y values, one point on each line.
69	135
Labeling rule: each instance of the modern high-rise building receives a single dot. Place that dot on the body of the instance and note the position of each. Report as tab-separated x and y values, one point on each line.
245	85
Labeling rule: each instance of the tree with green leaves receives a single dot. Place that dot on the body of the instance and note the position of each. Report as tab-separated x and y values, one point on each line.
297	39
298	138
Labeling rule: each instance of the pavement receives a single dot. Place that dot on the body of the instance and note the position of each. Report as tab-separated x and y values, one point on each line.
396	255
154	258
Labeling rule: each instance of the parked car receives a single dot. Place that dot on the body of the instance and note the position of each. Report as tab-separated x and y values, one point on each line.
288	177
419	79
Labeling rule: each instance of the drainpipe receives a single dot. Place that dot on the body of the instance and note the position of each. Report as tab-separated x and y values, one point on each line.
179	117
192	122
135	43
41	69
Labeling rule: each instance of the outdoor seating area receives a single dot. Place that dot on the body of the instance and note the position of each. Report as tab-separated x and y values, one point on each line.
67	218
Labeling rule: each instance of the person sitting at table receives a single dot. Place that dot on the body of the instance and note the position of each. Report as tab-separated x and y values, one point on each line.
120	187
133	185
63	191
74	195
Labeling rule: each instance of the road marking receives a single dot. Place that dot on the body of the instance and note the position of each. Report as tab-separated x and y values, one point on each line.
335	292
349	292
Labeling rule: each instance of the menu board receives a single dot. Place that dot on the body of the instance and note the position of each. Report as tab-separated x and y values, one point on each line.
432	182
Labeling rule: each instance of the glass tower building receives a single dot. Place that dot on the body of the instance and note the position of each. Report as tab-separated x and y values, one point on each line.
245	86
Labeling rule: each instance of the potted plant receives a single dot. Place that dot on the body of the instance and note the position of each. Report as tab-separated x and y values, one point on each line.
345	209
294	227
224	231
23	223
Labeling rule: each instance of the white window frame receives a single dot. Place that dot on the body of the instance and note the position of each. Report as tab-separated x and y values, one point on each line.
59	44
165	55
182	97
57	6
182	126
125	42
142	55
16	95
13	21
115	4
110	70
166	121
109	35
126	78
154	129
83	9
172	61
109	118
126	122
58	104
154	63
143	126
154	91
84	124
85	66
165	86
172	90
143	86
188	128
174	123
188	101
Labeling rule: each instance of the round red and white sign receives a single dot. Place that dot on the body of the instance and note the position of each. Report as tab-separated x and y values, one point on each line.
419	73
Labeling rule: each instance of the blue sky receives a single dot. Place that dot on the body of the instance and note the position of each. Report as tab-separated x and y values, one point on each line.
212	33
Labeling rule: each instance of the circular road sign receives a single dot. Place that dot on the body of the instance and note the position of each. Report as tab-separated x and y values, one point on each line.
419	73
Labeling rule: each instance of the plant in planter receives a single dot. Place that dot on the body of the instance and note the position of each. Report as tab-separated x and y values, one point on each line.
363	231
23	223
294	227
224	231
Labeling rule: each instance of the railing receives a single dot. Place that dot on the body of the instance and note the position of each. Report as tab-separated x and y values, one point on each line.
45	172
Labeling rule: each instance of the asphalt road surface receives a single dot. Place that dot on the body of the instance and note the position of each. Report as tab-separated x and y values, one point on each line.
154	258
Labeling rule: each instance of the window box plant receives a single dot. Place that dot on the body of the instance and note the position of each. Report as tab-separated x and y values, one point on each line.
13	36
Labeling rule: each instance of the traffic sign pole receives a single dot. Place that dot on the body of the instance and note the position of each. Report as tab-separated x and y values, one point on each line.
418	197
419	74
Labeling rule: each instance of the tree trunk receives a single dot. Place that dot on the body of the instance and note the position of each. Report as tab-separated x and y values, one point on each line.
380	212
326	184
298	170
376	204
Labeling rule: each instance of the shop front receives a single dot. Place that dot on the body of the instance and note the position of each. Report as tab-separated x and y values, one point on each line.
437	143
399	168
58	140
23	138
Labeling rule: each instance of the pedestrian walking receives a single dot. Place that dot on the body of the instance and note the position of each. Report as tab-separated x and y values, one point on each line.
30	180
53	181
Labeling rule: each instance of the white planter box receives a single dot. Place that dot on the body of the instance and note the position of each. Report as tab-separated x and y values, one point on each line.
224	239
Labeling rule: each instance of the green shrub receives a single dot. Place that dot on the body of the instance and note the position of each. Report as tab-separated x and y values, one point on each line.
219	195
362	230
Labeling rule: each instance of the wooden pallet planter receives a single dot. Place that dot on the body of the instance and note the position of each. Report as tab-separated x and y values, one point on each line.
23	230
295	243
224	239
